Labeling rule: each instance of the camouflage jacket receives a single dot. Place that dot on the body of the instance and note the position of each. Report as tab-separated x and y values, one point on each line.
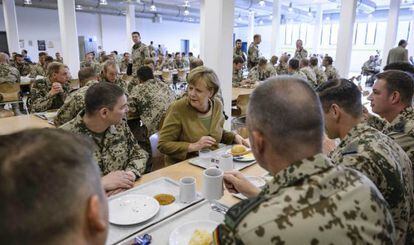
282	69
150	101
40	98
121	83
302	54
239	52
255	74
115	149
123	66
9	74
331	73
300	74
310	75
401	129
272	69
237	77
160	65
311	202
37	70
178	64
139	52
74	103
253	54
384	162
320	75
23	68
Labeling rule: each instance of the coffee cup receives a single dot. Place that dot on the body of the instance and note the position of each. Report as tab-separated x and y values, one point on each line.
212	184
226	162
187	189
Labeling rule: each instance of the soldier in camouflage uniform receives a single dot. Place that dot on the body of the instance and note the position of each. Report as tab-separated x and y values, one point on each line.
139	52
22	66
115	147
237	51
282	67
237	79
320	74
124	63
295	72
150	99
89	62
271	66
367	150
300	52
309	200
253	52
309	73
330	71
160	64
178	62
110	74
40	68
260	71
75	102
8	73
50	93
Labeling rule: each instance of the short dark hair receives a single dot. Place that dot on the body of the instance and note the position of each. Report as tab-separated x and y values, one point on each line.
313	61
42	54
294	63
328	59
196	63
18	56
256	36
402	42
49	59
238	60
304	62
342	92
115	52
286	119
262	61
85	74
125	53
399	81
24	51
100	95
401	66
144	73
190	53
238	40
135	32
46	174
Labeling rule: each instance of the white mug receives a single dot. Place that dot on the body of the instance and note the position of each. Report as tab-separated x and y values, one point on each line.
212	184
187	189
226	162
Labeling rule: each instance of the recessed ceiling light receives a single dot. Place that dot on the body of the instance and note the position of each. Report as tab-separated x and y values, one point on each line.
186	12
262	3
78	7
153	8
27	2
261	22
103	2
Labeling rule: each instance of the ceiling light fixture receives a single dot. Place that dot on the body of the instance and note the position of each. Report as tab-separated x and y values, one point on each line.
186	3
78	7
310	12
103	2
240	18
328	18
290	7
186	12
261	22
262	3
27	2
270	17
153	8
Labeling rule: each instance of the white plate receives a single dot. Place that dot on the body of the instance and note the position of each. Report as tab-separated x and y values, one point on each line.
132	209
249	157
182	234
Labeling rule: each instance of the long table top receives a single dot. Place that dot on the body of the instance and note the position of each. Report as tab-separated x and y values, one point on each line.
240	91
10	125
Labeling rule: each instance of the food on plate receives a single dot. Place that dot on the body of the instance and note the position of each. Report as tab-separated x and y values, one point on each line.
201	237
164	199
238	149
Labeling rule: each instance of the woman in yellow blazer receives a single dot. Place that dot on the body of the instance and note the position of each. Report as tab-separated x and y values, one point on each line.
196	121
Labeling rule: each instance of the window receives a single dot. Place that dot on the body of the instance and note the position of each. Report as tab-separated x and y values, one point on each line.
334	34
370	33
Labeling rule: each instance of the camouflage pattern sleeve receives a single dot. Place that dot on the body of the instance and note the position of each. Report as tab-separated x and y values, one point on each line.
375	122
41	100
72	106
137	157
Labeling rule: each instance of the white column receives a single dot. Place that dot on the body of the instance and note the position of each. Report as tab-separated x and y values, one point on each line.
318	30
69	35
392	28
275	42
250	28
10	21
130	24
411	38
345	37
216	22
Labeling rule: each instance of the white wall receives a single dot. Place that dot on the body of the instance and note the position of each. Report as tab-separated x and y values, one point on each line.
43	24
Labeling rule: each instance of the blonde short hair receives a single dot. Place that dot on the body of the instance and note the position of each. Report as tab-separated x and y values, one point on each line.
207	75
54	67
